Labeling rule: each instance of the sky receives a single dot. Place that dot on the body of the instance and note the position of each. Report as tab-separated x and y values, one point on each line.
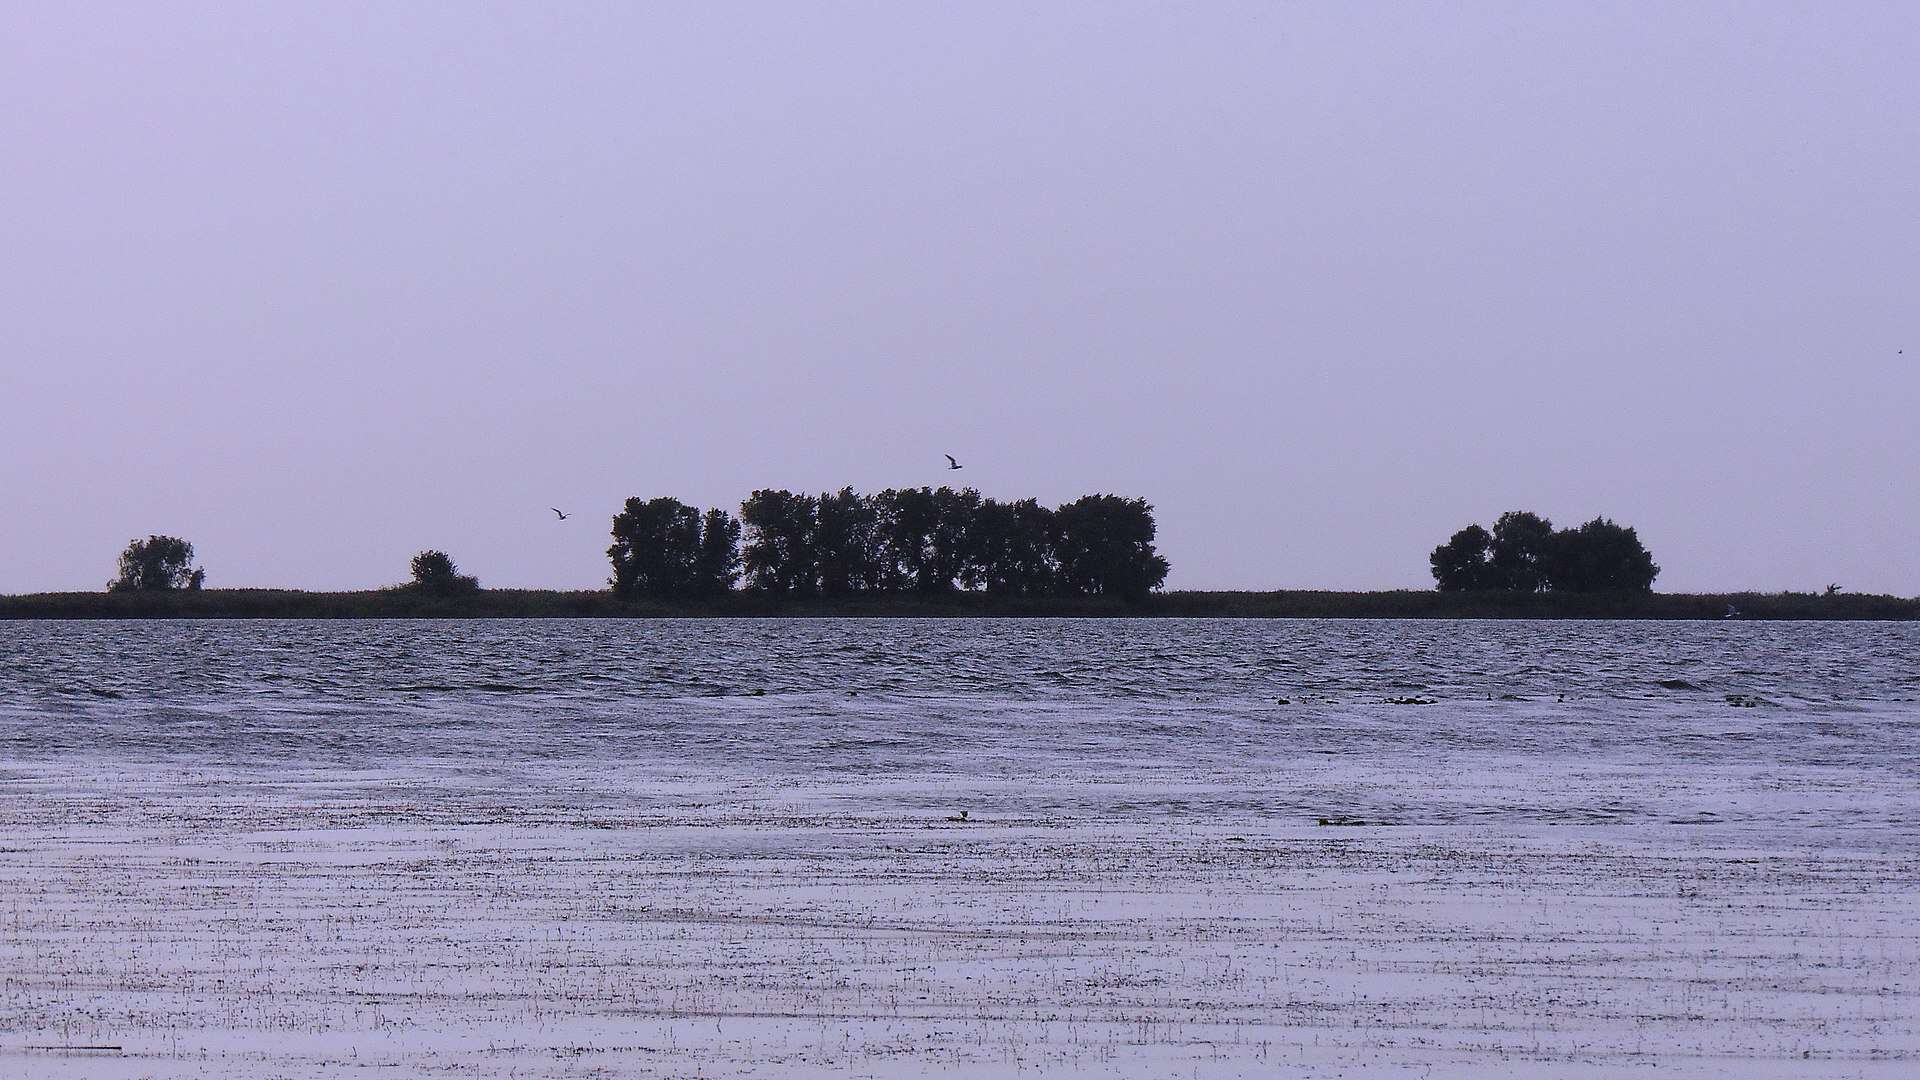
319	286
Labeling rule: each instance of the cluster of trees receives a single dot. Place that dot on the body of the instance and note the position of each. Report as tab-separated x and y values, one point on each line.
158	562
1523	552
925	540
932	540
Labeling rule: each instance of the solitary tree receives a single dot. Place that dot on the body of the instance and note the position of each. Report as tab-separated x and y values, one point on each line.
158	562
434	571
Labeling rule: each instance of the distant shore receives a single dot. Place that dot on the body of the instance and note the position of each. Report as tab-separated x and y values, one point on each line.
1294	604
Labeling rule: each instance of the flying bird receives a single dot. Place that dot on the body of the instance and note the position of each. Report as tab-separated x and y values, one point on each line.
952	464
558	512
1732	612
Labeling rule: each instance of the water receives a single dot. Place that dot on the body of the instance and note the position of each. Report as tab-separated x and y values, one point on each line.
1797	731
570	849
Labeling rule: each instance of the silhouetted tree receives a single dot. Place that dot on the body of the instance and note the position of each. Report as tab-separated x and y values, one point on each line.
158	562
951	544
1012	548
984	563
848	541
1032	560
1463	562
780	555
434	571
908	519
717	565
1106	547
1599	556
1519	551
656	547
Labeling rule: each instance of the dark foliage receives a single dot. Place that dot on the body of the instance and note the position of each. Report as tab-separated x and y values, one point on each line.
848	539
1464	562
157	563
1105	547
716	566
661	548
1525	554
1518	556
1013	548
953	553
929	542
907	522
434	572
1599	557
781	555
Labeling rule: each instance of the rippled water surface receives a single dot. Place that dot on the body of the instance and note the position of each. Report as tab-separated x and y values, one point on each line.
1799	729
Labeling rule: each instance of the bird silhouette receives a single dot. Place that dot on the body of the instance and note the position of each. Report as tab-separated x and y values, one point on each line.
558	512
952	464
1732	612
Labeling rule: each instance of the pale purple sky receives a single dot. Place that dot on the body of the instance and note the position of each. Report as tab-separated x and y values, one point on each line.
318	286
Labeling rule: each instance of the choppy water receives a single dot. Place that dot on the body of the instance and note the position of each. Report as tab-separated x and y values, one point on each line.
1801	730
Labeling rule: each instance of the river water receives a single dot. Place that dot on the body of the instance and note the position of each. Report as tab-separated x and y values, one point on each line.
573	849
1786	730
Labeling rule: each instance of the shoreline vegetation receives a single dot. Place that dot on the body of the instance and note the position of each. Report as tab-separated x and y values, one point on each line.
944	553
481	603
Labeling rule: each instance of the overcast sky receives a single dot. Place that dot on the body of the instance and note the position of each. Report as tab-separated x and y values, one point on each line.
317	286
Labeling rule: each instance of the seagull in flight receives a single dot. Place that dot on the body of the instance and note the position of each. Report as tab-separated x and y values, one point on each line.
1732	612
952	464
558	512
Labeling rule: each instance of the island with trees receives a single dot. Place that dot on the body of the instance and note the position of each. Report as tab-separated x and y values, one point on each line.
942	552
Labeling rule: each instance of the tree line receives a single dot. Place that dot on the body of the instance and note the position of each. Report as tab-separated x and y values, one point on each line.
908	540
1523	552
935	540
